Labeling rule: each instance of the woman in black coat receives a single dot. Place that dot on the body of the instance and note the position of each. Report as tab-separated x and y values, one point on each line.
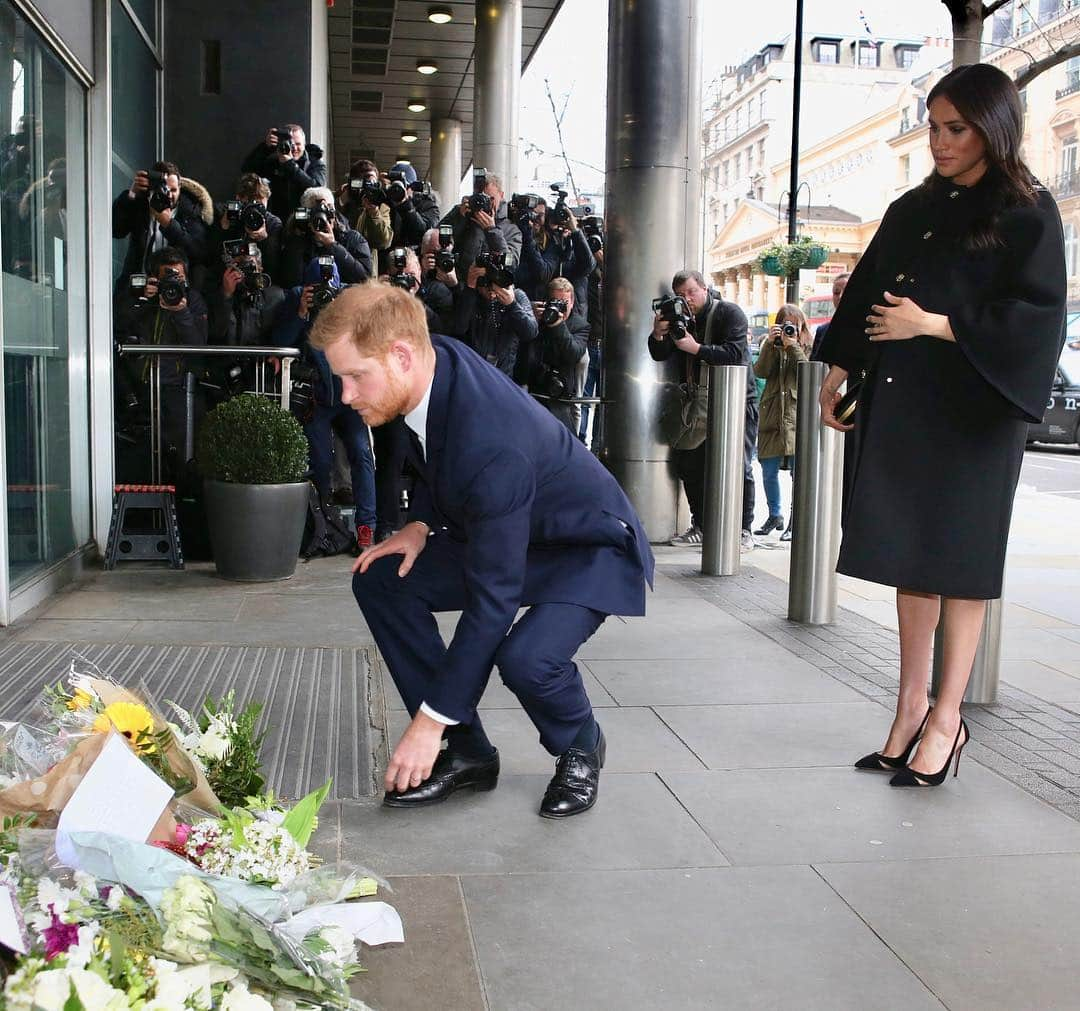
956	312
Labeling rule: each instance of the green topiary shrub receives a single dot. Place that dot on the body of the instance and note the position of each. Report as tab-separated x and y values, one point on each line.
251	440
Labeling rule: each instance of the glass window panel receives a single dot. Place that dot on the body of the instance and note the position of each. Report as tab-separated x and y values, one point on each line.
134	109
146	12
43	312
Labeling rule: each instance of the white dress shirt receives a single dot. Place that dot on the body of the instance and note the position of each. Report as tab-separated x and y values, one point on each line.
416	419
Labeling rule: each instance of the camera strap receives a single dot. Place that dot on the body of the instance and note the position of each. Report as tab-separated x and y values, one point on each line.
703	370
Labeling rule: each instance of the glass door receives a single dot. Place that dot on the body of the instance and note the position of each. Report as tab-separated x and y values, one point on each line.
43	303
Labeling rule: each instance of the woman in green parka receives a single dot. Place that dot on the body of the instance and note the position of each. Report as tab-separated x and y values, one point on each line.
788	342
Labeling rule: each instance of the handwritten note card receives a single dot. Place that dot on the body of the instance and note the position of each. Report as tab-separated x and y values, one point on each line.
12	928
118	795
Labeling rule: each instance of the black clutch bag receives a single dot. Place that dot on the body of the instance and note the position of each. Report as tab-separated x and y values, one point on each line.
844	411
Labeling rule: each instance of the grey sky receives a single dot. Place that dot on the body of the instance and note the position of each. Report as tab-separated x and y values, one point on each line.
573	58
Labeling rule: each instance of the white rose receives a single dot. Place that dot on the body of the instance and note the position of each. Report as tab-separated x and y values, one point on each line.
342	945
52	990
215	743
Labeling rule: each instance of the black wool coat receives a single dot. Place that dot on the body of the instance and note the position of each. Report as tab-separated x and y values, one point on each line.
942	425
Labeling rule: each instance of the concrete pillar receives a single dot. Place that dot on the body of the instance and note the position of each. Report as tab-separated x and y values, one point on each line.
445	171
757	290
774	295
731	289
497	86
653	190
742	290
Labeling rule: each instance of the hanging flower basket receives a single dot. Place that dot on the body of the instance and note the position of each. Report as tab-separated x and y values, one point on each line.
785	259
772	265
816	256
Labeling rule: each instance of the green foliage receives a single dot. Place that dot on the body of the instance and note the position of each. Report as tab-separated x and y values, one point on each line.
301	821
9	834
793	257
251	440
237	776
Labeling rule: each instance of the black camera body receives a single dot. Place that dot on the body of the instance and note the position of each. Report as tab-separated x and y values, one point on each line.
158	196
522	208
786	330
369	190
480	202
254	279
398	257
561	212
444	257
284	139
554	309
398	188
172	288
495	269
137	290
325	291
404	281
253	217
314	219
675	310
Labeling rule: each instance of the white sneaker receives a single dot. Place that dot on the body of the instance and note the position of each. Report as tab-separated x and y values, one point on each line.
747	541
691	537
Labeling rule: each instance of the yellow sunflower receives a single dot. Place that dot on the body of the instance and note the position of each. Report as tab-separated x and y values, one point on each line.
82	699
131	720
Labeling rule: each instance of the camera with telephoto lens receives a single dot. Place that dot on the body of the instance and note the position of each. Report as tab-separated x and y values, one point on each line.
253	217
553	311
158	196
398	188
478	200
561	212
172	288
397	258
325	291
314	219
786	330
522	208
284	139
495	271
593	227
444	257
675	310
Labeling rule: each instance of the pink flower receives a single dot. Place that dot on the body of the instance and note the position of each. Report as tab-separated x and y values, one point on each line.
59	936
182	833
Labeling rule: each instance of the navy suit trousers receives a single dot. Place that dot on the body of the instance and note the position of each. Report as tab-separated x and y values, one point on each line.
535	659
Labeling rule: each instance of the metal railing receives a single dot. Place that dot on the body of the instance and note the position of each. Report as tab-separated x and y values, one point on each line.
1066	185
1072	86
155	352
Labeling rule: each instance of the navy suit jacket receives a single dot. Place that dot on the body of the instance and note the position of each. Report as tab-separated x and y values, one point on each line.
541	519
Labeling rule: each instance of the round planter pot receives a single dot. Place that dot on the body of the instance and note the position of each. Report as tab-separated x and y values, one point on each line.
816	258
255	529
772	266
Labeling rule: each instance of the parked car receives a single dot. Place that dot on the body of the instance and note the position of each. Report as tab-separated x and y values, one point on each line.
1061	423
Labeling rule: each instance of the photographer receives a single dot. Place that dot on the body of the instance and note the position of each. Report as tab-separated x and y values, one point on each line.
244	305
558	350
247	217
480	223
412	211
161	209
493	317
364	207
568	250
166	311
716	335
317	228
788	343
405	272
289	164
328	414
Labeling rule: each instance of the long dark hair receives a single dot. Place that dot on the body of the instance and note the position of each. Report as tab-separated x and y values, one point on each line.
988	100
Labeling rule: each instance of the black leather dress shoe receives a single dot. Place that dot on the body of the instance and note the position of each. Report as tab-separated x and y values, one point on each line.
450	773
576	782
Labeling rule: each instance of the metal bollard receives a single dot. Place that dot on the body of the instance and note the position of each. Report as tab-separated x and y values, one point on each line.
726	428
819	480
986	669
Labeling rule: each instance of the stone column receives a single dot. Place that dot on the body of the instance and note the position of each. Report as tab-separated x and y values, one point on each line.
445	173
497	86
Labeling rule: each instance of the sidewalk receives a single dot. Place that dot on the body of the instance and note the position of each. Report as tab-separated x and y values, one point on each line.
734	859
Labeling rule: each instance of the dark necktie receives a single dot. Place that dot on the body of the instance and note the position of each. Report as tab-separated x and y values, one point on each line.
417	446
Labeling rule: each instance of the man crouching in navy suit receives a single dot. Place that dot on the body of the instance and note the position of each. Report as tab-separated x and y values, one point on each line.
510	511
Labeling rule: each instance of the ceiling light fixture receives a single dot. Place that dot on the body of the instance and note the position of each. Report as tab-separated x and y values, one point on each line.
440	15
426	67
409	138
416	105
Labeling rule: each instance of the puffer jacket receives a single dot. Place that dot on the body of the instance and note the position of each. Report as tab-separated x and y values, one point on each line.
495	331
779	367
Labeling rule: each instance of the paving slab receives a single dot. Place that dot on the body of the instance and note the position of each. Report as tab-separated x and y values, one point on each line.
76	630
779	735
696	939
771	675
637	741
436	966
1041	680
636	824
984	933
798	816
221	603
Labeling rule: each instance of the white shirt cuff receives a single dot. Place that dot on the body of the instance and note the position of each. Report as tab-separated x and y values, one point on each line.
438	717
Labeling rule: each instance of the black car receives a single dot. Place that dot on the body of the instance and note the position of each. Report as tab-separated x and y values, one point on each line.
1061	423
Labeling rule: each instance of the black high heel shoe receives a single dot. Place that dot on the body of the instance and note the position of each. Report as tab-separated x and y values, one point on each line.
877	762
908	777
